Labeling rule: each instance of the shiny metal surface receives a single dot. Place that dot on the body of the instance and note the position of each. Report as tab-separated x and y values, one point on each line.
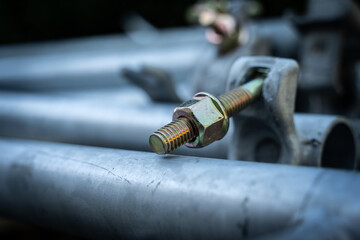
110	120
98	61
107	193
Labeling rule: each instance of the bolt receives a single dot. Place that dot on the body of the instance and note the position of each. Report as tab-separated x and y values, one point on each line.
172	136
183	129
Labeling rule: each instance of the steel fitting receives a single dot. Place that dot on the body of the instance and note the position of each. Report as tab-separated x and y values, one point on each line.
207	115
204	119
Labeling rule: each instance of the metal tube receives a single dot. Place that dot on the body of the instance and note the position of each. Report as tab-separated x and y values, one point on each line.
107	193
283	35
119	123
98	61
326	141
124	119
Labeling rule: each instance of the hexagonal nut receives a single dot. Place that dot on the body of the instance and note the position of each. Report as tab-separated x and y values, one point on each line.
209	117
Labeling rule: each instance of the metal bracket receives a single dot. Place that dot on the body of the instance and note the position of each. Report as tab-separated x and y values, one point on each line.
265	131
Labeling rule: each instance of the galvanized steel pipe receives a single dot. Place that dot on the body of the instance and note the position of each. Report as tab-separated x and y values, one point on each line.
107	193
82	120
98	61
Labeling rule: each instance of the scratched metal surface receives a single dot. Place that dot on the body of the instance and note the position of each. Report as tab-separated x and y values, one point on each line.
107	193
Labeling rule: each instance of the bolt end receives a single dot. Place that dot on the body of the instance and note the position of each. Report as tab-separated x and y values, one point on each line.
172	136
157	144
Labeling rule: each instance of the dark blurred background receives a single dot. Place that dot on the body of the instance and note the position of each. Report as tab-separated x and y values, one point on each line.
41	20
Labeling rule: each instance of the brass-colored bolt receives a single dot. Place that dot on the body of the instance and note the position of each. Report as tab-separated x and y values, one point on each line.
186	126
172	136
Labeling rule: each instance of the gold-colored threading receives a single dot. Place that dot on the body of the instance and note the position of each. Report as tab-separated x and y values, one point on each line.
172	136
236	100
181	130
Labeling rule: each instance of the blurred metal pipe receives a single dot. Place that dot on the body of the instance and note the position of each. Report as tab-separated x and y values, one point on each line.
356	125
326	141
71	119
98	61
125	119
106	193
283	36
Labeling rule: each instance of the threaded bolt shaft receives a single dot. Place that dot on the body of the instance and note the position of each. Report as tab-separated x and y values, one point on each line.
239	98
182	130
172	136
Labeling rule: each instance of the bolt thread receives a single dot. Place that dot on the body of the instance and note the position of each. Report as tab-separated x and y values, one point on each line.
172	136
236	100
181	130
